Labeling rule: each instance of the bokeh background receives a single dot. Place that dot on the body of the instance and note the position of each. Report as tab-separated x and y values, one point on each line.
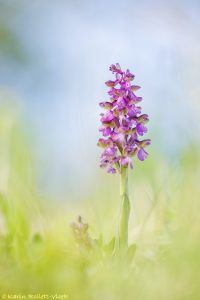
54	58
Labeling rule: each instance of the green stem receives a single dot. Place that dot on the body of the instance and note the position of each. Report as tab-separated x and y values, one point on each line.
122	230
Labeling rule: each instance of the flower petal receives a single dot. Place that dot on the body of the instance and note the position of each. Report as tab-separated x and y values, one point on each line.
142	154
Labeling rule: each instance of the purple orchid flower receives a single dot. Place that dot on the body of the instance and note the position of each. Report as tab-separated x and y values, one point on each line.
122	123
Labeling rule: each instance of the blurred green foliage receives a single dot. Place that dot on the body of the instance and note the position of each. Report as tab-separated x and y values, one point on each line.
40	254
11	46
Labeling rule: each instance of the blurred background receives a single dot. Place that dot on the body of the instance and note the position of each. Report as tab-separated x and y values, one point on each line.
54	58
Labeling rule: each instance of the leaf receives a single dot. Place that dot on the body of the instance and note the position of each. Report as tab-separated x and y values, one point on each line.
131	251
98	242
110	246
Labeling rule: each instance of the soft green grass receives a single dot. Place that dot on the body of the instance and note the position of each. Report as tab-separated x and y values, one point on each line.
40	254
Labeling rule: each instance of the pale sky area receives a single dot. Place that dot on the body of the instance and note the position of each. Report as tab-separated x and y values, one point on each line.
56	60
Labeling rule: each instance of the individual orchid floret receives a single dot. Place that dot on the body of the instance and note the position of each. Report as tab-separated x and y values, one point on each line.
122	123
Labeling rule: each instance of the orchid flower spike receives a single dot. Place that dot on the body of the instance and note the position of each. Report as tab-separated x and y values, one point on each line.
122	123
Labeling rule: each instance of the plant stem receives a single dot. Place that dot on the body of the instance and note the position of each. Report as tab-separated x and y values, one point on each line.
122	230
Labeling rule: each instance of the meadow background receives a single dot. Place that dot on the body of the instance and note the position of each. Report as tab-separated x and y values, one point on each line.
54	58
